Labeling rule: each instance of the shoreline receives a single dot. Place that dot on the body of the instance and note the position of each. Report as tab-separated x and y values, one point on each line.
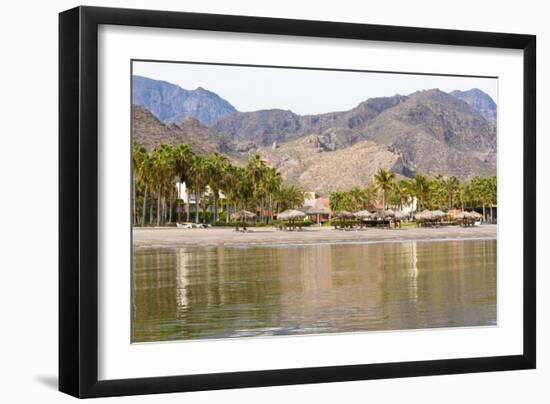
171	237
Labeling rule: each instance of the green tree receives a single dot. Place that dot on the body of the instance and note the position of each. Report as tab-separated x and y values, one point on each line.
400	194
419	187
270	184
162	165
340	201
198	172
183	159
451	186
216	165
383	182
288	197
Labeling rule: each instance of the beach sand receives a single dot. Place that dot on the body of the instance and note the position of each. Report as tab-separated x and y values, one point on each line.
222	236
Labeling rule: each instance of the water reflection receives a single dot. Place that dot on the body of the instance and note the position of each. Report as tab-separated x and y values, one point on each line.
219	292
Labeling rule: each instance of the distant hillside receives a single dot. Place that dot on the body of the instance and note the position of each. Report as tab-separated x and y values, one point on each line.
435	133
262	128
480	101
430	131
308	163
171	103
149	132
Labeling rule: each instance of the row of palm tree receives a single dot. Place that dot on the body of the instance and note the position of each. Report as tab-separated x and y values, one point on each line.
259	188
254	186
437	192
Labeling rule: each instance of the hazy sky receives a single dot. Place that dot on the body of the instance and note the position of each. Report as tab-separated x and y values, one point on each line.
301	91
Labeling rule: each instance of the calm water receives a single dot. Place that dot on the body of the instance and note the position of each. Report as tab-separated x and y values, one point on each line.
221	292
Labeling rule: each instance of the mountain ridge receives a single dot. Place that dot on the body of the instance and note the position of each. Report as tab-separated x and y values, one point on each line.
429	131
171	103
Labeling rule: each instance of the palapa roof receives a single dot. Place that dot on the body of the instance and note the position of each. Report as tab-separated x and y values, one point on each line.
363	214
430	215
242	214
314	210
424	215
399	214
460	215
343	214
385	213
291	214
475	214
438	213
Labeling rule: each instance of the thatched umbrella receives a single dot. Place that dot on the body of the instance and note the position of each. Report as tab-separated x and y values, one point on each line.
424	215
243	216
343	214
291	214
437	214
318	211
384	213
475	215
461	215
363	214
399	215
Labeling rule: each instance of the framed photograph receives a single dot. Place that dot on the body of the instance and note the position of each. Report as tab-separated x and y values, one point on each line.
251	201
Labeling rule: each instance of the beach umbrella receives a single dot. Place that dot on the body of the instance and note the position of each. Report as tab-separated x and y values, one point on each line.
424	215
290	214
363	214
460	215
318	211
385	213
437	214
242	215
343	214
475	215
399	215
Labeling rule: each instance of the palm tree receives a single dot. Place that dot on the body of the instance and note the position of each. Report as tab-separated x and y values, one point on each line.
465	194
230	179
163	173
452	189
289	197
340	201
216	163
271	183
437	197
183	158
256	169
383	181
492	194
198	171
146	179
480	192
419	187
357	196
138	156
400	193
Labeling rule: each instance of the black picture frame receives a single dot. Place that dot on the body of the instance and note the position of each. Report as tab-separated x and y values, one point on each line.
78	201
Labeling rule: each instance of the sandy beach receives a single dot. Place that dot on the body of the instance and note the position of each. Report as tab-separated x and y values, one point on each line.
174	237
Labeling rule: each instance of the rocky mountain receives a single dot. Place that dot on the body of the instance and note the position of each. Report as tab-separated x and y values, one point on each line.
480	101
261	128
313	164
429	131
171	103
149	131
435	132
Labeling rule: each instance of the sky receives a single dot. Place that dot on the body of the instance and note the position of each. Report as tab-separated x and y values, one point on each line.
302	91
